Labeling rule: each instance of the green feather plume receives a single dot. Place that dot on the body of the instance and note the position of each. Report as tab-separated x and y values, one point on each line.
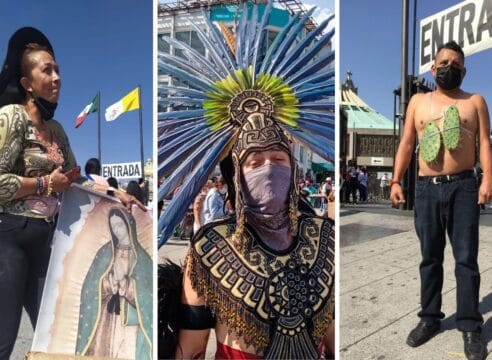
216	104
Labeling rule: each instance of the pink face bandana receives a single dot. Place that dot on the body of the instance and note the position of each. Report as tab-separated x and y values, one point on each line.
266	191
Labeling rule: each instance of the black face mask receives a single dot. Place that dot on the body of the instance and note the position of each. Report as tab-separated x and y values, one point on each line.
45	107
448	77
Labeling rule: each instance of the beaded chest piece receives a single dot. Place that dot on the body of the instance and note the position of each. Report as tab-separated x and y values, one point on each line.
279	302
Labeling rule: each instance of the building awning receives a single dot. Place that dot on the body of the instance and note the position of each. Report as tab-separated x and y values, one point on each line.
359	115
322	167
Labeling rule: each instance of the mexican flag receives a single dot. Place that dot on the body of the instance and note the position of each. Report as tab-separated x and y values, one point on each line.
90	108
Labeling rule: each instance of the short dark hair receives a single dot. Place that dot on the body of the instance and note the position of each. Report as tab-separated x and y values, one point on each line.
133	189
112	181
452	45
93	166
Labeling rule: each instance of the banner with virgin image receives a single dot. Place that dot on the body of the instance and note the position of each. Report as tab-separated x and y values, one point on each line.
97	298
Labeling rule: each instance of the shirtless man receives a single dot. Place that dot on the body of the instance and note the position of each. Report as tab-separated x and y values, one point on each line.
447	197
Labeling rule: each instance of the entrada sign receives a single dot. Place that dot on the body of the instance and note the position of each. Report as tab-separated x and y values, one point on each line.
123	170
469	23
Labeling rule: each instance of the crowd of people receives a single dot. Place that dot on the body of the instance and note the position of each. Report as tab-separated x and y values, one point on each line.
318	195
354	185
139	189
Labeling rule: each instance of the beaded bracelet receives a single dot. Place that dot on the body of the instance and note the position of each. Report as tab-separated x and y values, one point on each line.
45	184
39	185
50	186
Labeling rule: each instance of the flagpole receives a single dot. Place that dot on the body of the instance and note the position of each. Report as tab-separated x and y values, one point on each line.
141	130
99	126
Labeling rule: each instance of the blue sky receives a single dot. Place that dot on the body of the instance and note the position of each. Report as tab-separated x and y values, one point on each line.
370	46
101	45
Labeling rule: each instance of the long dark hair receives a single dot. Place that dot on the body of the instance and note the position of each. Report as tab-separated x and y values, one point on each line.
170	286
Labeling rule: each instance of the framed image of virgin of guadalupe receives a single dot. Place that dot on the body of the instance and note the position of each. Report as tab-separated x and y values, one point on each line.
97	299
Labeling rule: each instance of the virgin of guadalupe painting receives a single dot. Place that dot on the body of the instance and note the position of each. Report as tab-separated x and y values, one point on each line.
113	294
97	300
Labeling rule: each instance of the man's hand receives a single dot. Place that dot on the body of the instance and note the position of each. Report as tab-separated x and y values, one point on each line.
485	192
396	195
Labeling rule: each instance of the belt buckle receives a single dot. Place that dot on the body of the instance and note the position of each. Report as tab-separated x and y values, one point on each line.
441	179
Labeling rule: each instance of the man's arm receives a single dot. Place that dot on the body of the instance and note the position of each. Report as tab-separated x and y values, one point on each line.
192	343
404	154
485	191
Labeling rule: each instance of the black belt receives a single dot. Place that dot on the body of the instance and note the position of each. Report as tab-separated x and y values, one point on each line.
449	178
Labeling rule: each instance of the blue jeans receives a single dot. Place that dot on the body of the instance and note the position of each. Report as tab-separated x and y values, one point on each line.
362	192
24	256
449	207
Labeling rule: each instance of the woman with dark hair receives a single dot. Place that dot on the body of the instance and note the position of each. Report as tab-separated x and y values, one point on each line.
135	190
36	165
112	181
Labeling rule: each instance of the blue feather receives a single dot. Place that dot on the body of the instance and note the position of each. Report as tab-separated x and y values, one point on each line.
314	95
178	146
312	68
191	53
190	188
313	79
240	36
181	91
172	133
180	172
289	40
259	41
169	125
190	67
301	47
184	76
278	40
195	143
185	114
299	62
325	104
322	146
311	87
326	118
216	54
180	101
250	36
316	129
219	40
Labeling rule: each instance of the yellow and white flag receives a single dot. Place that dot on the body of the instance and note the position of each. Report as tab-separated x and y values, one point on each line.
129	102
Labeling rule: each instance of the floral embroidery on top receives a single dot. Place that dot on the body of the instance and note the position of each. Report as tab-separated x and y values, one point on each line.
53	151
23	153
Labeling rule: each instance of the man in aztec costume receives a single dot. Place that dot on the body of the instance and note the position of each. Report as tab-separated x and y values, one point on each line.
264	277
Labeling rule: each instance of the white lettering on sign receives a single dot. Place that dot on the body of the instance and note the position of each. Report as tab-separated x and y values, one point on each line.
122	171
469	23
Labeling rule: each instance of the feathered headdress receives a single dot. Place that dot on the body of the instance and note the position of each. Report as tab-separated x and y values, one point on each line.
292	83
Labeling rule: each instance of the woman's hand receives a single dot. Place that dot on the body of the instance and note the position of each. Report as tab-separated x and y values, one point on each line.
59	180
